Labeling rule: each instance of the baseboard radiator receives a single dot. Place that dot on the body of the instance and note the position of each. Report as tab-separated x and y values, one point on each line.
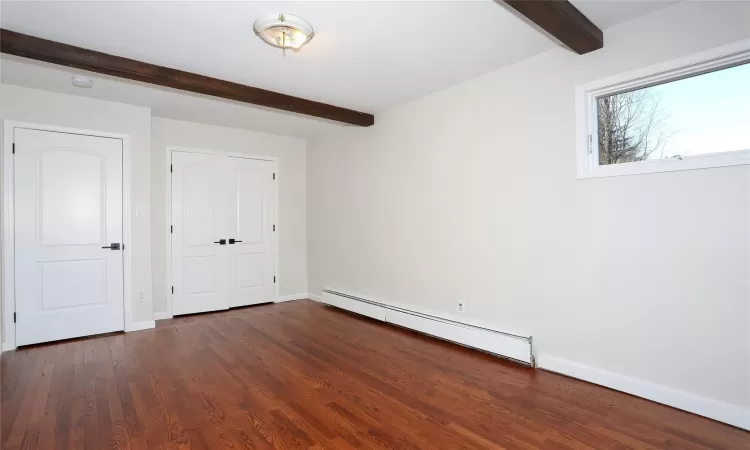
507	345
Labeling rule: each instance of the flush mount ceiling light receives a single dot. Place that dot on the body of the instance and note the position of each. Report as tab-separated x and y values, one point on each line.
284	31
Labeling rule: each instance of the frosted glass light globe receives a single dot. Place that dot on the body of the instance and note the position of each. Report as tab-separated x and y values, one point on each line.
284	30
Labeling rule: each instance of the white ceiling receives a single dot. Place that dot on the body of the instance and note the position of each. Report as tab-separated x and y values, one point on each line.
366	55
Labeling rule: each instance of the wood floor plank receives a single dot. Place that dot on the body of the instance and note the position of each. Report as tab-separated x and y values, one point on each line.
299	375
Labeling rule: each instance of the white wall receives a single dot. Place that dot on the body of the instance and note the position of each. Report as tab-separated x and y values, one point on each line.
292	182
471	194
48	108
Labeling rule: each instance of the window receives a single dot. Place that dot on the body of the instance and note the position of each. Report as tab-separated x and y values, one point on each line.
685	114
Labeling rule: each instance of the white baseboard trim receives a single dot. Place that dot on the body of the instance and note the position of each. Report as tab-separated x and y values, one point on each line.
289	298
138	326
162	315
135	326
713	409
313	297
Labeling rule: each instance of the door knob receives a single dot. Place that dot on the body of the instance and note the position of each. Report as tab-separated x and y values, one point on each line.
221	242
113	246
232	241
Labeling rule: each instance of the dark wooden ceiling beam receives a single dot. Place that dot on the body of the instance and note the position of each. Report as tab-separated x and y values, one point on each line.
563	21
32	47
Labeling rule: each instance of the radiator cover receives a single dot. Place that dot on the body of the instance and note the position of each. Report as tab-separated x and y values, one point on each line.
512	346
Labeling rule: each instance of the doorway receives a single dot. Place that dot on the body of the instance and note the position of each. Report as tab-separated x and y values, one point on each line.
222	231
64	233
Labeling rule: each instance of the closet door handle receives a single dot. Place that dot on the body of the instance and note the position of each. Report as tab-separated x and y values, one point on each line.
232	241
115	246
221	242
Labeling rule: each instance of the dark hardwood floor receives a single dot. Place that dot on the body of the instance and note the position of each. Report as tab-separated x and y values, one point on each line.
301	375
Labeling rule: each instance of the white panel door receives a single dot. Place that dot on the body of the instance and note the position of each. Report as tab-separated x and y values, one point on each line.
68	206
199	218
252	243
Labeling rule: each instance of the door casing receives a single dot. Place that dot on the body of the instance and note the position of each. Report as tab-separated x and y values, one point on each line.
8	227
168	212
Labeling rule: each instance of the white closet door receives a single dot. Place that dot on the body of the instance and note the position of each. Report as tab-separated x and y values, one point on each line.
68	206
251	217
199	218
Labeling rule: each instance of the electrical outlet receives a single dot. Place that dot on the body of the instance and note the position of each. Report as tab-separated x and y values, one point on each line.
142	296
460	306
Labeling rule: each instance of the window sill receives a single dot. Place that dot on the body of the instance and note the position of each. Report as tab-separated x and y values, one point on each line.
728	159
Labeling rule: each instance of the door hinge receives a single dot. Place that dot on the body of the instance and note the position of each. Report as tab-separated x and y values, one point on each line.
171	167
14	317
274	278
274	227
171	228
14	148
173	289
274	176
591	142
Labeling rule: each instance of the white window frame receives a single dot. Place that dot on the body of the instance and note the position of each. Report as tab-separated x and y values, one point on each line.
586	95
